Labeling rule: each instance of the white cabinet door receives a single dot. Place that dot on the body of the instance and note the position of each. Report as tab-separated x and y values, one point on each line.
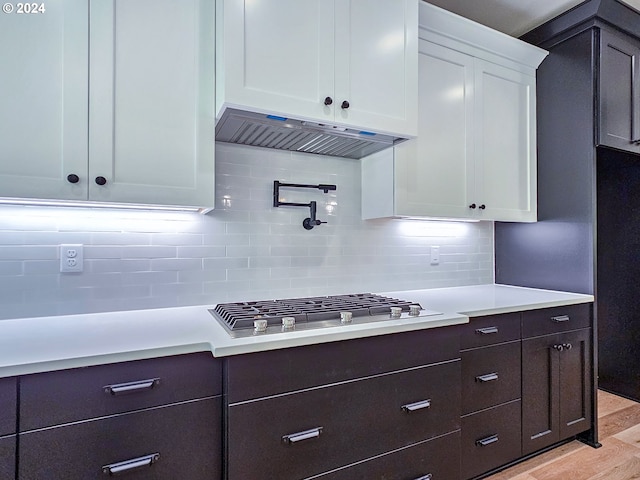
277	57
376	65
306	58
435	172
151	104
43	102
505	143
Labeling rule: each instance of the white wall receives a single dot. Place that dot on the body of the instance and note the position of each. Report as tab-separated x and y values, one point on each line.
245	249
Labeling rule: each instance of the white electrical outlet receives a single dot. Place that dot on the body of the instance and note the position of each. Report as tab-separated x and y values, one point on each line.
435	255
71	258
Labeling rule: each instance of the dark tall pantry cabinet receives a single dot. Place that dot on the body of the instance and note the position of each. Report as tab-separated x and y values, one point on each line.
587	238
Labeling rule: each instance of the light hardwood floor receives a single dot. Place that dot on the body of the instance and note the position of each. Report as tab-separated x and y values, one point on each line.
617	459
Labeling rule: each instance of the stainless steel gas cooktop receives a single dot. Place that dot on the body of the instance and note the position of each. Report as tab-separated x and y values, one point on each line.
276	316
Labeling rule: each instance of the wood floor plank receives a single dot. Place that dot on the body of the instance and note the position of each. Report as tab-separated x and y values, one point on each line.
628	470
630	436
609	403
586	463
619	421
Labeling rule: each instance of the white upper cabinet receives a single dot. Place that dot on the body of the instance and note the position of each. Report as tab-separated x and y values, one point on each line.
475	154
43	101
146	135
343	62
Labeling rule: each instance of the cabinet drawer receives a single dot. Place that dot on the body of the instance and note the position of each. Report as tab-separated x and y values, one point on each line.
490	376
309	366
187	438
69	395
489	330
554	320
8	457
439	457
8	405
358	419
490	438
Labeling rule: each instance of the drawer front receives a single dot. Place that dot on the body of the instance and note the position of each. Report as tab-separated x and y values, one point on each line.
60	397
8	457
554	320
358	420
8	405
309	366
490	376
489	330
490	439
439	457
187	438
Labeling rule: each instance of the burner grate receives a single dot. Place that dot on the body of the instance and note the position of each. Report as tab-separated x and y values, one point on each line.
241	315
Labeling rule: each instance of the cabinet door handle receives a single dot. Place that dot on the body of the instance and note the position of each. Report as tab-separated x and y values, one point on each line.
558	347
300	436
483	442
560	318
128	465
328	101
482	207
428	476
412	407
567	346
131	387
101	180
345	105
487	330
73	178
487	378
472	206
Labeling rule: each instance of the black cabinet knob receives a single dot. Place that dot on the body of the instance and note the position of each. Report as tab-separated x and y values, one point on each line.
482	207
328	101
73	178
101	180
472	206
345	105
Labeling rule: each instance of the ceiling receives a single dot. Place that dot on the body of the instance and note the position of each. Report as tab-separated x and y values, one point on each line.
513	17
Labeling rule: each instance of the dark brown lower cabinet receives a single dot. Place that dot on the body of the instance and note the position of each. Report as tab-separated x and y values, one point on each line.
436	459
306	433
556	388
8	457
180	441
8	405
490	438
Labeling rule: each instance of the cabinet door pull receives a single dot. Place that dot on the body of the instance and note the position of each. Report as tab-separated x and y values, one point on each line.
73	178
412	407
487	330
487	378
560	318
428	476
306	435
128	465
483	442
131	387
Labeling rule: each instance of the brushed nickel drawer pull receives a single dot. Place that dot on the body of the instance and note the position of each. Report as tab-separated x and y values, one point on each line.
128	465
131	387
483	442
487	377
428	476
487	330
412	407
560	318
300	436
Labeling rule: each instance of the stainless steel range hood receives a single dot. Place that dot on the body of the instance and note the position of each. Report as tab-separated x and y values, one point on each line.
270	131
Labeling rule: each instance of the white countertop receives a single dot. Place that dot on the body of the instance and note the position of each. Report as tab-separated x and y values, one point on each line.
31	345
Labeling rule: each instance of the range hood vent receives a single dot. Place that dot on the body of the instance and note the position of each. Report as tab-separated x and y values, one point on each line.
270	131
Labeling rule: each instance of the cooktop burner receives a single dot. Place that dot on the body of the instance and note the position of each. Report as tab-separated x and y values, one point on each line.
249	318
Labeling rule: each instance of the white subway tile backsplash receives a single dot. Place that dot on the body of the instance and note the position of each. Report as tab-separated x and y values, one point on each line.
243	250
